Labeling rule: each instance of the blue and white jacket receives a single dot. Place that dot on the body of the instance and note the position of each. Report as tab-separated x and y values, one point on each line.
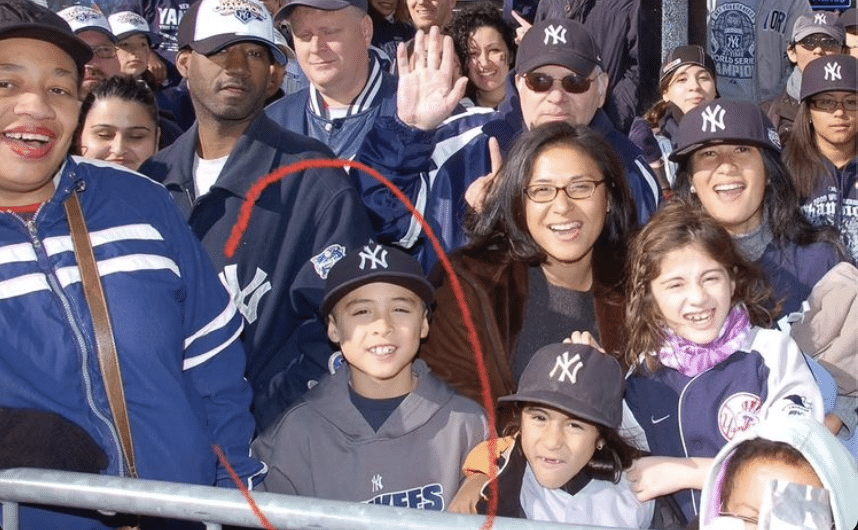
305	112
298	229
175	328
434	169
683	416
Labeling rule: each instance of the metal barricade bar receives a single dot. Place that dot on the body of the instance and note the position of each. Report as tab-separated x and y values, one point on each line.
220	506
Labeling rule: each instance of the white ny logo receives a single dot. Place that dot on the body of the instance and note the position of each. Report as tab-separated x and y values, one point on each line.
556	34
246	299
819	18
377	257
714	117
832	72
376	483
563	363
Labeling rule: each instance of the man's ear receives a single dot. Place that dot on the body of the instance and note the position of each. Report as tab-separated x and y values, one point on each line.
366	29
603	87
333	332
793	57
183	59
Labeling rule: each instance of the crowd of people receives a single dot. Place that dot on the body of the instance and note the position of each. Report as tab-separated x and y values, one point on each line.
653	304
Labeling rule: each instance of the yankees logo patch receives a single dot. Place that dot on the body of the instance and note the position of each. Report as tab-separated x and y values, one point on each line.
373	257
81	14
819	18
738	413
832	72
557	35
713	119
243	10
562	367
323	261
130	18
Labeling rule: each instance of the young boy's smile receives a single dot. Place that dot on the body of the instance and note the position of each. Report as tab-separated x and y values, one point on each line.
378	327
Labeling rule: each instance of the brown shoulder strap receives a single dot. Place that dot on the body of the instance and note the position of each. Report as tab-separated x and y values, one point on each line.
107	357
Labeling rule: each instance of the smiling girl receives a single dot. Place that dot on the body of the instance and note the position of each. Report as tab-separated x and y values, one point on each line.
705	370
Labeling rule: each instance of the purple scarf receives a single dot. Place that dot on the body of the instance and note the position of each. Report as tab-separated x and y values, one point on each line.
691	359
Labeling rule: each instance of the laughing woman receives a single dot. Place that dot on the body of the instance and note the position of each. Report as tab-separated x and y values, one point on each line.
546	259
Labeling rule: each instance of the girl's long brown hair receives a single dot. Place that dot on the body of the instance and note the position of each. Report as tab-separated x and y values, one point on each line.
677	225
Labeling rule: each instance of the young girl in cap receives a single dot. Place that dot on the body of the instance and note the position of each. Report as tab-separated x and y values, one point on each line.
563	460
822	152
705	370
687	80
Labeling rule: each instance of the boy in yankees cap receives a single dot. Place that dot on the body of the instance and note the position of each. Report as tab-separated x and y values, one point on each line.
398	430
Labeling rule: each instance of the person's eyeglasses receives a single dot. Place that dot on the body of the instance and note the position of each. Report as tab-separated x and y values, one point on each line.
104	52
830	103
572	83
580	189
813	42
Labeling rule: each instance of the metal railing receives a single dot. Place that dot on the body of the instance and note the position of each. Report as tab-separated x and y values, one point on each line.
220	506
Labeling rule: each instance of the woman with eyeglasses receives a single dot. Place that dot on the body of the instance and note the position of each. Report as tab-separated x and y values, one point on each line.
546	259
822	152
687	79
814	35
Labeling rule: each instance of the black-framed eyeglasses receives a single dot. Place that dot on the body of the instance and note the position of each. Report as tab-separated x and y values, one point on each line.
572	83
825	42
578	190
830	103
104	52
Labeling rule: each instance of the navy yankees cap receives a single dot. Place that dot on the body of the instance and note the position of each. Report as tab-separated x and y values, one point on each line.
325	5
722	121
375	263
562	42
27	19
575	378
211	25
831	72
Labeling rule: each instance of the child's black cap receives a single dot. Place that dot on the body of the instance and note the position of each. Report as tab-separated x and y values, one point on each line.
575	378
375	263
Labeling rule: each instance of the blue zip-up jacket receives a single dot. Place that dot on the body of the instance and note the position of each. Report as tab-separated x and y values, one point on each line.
304	112
685	416
299	228
434	169
176	330
835	203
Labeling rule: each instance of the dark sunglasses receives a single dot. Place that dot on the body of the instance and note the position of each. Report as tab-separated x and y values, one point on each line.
820	41
572	83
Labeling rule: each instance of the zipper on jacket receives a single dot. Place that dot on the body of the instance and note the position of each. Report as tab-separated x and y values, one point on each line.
682	433
54	283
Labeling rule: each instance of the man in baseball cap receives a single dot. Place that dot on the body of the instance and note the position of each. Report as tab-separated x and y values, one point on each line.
814	35
92	27
297	227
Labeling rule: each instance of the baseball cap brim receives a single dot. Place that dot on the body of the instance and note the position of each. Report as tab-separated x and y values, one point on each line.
680	154
557	400
79	51
216	43
421	287
326	5
154	39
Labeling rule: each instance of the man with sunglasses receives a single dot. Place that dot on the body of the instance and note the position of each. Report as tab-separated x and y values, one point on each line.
434	158
92	27
813	36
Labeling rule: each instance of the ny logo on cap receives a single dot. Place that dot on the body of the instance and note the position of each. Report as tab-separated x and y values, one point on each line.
377	257
557	34
563	363
819	18
832	72
714	117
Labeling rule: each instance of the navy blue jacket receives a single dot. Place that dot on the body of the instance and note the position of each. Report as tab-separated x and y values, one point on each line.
298	229
303	112
835	203
434	169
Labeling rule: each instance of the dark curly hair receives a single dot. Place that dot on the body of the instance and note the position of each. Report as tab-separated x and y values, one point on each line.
470	19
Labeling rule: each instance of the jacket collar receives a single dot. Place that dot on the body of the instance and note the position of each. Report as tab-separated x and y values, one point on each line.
362	103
